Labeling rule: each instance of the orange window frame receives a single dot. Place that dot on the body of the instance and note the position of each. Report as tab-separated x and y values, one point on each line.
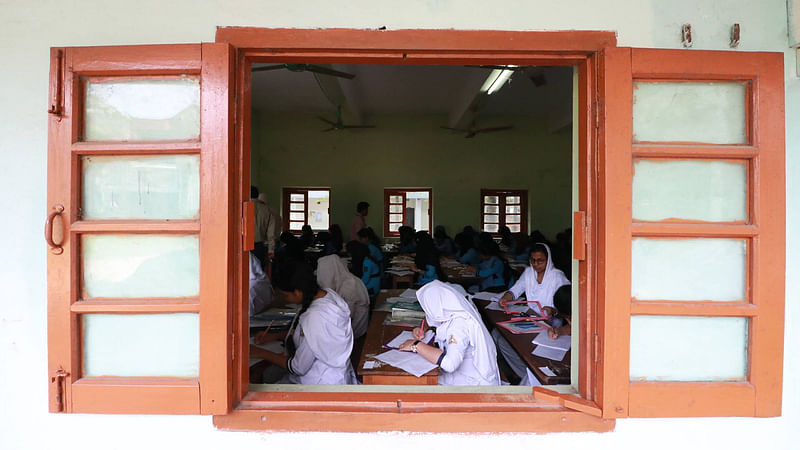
287	203
542	410
501	194
401	192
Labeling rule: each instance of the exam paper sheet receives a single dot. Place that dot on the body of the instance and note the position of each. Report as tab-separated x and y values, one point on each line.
412	363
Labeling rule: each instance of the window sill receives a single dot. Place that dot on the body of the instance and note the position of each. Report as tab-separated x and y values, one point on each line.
415	412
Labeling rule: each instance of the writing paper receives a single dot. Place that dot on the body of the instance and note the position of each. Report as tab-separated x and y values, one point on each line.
406	335
491	296
563	342
410	362
549	353
409	293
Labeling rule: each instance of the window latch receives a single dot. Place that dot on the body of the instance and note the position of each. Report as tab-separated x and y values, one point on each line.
58	379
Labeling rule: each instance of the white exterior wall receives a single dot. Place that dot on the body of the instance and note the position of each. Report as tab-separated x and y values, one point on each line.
28	28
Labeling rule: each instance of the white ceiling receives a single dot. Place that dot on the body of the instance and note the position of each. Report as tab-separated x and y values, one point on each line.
385	89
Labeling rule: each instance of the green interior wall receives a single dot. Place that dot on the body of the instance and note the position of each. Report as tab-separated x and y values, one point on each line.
413	151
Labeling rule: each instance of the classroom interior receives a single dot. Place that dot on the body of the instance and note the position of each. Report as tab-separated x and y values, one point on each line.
443	133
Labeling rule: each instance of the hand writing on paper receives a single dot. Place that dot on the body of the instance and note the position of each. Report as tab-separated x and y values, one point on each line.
507	297
548	312
406	346
419	332
265	336
552	333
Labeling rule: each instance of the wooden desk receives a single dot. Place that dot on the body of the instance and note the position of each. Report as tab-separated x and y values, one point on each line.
379	334
454	276
522	344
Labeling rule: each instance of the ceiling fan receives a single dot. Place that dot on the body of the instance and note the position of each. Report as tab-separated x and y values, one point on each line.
472	130
306	68
339	124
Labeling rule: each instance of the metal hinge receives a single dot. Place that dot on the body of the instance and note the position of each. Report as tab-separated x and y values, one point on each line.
58	378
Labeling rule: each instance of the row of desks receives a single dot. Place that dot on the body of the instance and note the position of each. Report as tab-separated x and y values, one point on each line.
378	334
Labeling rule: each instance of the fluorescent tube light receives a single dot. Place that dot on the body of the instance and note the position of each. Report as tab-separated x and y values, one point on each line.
496	79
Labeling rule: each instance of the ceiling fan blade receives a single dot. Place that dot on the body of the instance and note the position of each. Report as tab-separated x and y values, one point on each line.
357	126
451	128
329	122
491	129
329	129
328	71
263	68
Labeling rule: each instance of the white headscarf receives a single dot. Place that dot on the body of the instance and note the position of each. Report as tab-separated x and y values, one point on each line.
326	328
260	287
442	304
552	280
332	274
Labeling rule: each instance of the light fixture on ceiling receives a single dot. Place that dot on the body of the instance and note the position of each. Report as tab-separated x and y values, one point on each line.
497	79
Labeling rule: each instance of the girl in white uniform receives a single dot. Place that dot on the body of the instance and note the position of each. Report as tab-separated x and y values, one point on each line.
539	282
319	345
465	351
332	274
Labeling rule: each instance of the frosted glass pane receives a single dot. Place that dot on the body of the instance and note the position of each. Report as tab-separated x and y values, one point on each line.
493	218
297	216
491	209
140	265
688	269
688	348
491	227
297	198
711	191
512	219
395	208
493	199
142	110
513	209
395	217
297	206
294	226
141	345
395	199
141	187
512	200
394	226
712	113
515	228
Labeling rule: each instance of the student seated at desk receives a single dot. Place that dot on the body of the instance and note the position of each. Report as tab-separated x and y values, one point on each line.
333	274
467	253
426	261
260	287
443	242
407	244
320	338
539	281
336	241
464	348
368	237
506	240
362	266
491	268
307	238
562	316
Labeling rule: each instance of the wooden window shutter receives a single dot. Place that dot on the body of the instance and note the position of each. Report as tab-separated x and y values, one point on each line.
181	155
679	128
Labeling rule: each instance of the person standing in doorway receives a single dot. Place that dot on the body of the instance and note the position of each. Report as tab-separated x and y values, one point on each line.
360	220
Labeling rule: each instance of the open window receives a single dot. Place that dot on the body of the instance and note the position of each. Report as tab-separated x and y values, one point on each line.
640	150
412	207
306	206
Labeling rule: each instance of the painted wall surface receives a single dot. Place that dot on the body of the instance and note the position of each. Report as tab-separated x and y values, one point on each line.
412	151
28	29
